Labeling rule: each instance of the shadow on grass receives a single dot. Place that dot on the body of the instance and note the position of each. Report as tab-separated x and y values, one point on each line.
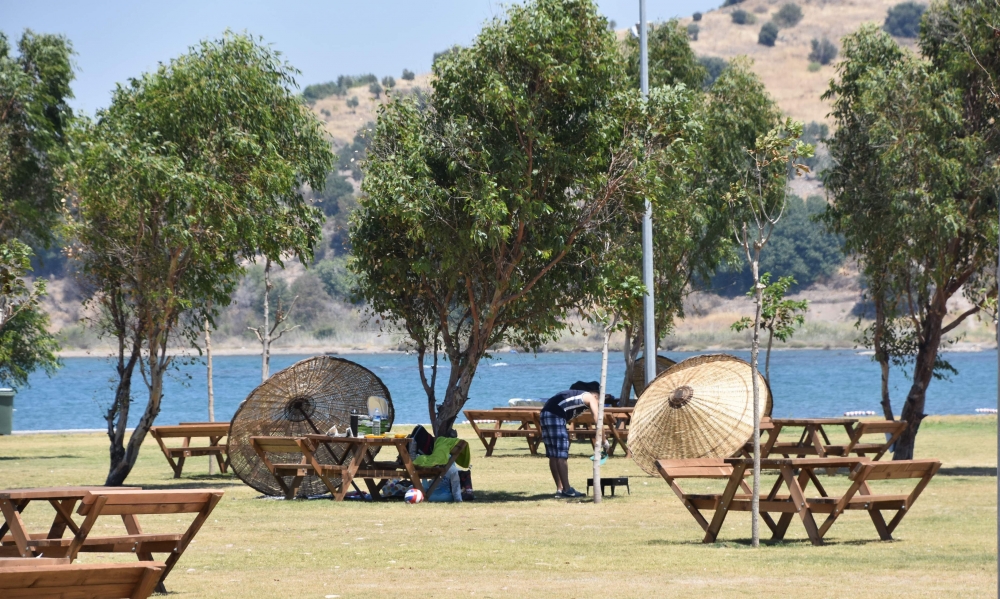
194	482
740	543
40	457
968	471
507	496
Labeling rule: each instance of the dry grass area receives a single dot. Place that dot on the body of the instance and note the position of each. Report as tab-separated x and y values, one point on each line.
342	122
784	67
517	541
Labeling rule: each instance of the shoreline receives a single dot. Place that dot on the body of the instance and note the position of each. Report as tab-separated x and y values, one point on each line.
308	350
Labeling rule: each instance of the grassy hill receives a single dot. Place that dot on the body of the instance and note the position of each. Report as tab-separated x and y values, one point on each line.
784	67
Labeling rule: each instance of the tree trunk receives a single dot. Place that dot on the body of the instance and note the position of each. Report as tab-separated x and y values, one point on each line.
265	338
767	358
120	468
633	344
457	392
881	355
117	415
923	371
599	421
211	391
754	351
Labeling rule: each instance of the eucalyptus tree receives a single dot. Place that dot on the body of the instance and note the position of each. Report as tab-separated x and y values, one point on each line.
191	171
696	159
35	124
922	218
478	222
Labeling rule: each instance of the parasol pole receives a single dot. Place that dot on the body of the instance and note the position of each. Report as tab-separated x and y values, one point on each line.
648	305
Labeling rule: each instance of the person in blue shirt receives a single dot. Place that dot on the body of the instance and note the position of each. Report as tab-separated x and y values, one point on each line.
557	411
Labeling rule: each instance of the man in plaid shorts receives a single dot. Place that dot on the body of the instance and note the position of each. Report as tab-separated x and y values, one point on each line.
558	410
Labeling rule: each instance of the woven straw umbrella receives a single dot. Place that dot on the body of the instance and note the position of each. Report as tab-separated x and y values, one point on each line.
308	397
639	372
699	408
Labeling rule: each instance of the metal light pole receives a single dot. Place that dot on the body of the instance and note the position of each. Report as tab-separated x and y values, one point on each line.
649	320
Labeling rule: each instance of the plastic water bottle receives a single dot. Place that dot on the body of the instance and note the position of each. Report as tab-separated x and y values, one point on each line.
377	422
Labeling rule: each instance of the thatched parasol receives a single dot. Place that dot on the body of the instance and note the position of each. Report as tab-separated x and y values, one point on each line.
308	397
639	372
699	408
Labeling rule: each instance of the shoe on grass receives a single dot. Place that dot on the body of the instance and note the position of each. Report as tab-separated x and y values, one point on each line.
571	493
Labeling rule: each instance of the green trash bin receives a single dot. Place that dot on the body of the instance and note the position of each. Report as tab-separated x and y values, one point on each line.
6	411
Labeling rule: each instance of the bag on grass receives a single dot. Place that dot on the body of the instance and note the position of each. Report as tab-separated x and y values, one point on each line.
465	479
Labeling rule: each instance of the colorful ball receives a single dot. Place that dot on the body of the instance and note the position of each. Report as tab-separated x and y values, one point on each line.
414	496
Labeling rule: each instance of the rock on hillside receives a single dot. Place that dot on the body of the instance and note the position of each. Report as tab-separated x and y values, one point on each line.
784	67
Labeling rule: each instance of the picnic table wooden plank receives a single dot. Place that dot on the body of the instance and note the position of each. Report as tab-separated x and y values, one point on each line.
79	581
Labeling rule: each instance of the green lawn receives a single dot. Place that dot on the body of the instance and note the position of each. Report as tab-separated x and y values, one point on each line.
516	541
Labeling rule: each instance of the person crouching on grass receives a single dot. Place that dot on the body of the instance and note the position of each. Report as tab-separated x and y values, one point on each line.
558	410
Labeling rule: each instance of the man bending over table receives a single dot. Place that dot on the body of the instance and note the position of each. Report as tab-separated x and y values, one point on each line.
558	410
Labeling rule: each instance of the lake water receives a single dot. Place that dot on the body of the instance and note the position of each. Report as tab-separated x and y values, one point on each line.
805	383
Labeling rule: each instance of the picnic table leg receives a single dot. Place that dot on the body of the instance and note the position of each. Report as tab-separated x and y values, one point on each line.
64	518
84	529
490	446
12	514
192	530
347	475
411	470
799	500
532	445
223	463
712	533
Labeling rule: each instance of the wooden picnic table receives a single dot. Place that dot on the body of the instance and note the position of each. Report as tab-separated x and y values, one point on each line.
94	502
527	419
814	441
794	475
213	431
346	459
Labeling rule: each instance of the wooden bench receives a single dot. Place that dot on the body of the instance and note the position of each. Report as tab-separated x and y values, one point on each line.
80	581
889	429
285	457
528	420
213	431
129	504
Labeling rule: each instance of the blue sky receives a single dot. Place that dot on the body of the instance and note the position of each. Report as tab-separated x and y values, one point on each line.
118	39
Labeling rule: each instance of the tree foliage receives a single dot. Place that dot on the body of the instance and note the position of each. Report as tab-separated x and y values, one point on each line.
671	59
190	171
35	119
915	183
823	51
340	87
713	66
789	15
768	34
800	247
778	316
477	227
742	17
903	19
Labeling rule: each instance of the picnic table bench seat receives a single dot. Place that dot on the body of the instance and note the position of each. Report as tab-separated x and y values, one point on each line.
80	581
213	431
859	496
